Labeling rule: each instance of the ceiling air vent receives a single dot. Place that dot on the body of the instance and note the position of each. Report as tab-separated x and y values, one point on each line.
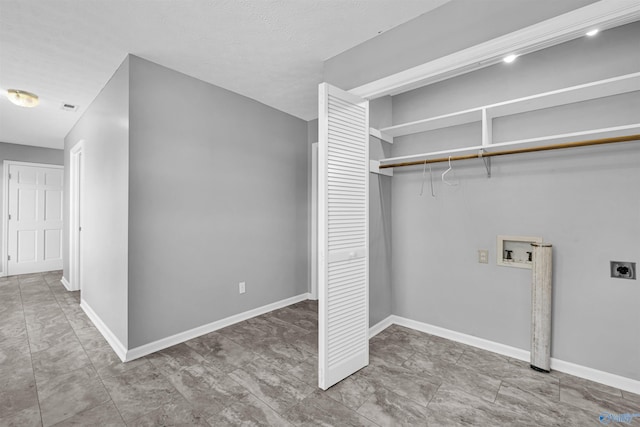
69	107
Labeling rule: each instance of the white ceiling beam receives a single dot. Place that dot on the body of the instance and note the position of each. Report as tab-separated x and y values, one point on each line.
603	15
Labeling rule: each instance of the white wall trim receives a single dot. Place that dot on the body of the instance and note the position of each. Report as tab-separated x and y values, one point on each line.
380	326
113	341
613	380
66	284
181	337
76	155
602	377
5	212
5	205
603	14
482	343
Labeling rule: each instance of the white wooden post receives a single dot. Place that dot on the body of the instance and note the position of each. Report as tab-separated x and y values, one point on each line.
541	307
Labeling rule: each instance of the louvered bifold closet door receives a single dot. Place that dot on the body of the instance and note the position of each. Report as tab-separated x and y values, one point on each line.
343	235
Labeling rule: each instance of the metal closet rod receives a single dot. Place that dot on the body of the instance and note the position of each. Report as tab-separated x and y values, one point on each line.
601	141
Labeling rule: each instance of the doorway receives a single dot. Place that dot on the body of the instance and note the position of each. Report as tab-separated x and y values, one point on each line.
32	217
76	174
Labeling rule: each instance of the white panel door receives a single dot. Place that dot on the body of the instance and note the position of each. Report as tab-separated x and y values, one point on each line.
343	235
35	219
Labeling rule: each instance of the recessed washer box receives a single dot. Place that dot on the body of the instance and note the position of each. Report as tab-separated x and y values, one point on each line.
515	251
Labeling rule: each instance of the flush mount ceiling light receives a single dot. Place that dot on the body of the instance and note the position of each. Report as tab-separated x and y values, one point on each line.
22	98
592	32
510	58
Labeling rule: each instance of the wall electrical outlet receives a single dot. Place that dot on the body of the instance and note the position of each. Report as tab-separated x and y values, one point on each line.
241	287
623	270
483	256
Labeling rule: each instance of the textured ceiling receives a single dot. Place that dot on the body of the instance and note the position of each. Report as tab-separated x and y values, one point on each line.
269	50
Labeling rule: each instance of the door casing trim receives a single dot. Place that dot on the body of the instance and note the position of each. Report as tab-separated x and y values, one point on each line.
76	151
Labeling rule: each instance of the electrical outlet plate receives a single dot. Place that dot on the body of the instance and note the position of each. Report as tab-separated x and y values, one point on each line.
241	287
483	256
623	269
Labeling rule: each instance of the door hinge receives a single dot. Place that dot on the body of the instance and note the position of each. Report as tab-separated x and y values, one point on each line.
9	216
9	176
8	257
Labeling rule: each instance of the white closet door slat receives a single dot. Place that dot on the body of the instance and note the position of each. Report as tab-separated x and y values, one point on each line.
347	235
346	106
341	131
344	244
345	160
338	194
337	172
344	117
344	127
345	142
343	235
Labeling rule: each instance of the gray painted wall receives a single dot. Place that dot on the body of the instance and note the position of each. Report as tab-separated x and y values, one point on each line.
104	127
25	153
583	201
218	195
463	22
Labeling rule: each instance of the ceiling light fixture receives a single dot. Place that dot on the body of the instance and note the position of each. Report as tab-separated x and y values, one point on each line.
592	32
510	58
22	98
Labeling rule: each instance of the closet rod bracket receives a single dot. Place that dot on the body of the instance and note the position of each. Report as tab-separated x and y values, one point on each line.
487	162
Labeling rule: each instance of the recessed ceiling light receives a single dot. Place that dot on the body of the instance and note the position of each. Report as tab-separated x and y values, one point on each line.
510	58
592	32
22	98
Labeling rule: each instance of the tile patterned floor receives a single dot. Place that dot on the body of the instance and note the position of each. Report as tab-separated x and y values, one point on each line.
56	369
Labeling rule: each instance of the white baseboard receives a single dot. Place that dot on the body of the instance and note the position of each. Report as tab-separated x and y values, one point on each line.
482	343
613	380
66	284
380	326
113	341
181	337
602	377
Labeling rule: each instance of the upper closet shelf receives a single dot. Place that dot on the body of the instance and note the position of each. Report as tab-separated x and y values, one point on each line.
438	122
598	89
584	92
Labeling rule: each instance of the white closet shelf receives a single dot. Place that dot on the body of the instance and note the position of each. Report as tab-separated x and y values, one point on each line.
593	90
523	142
599	89
609	132
438	122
